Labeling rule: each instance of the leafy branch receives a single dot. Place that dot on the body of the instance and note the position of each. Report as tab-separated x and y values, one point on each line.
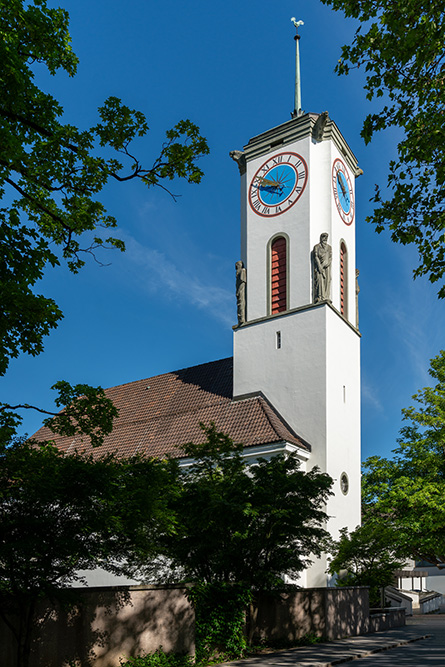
401	49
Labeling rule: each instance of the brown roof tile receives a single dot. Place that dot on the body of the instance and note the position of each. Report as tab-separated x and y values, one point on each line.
158	414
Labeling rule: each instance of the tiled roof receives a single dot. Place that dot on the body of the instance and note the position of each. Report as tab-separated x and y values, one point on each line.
158	414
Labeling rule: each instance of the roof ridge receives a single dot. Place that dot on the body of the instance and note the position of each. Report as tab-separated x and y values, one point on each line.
264	401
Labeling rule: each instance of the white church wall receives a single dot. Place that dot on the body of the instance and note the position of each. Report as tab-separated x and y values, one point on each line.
343	422
341	453
293	377
320	190
243	213
313	380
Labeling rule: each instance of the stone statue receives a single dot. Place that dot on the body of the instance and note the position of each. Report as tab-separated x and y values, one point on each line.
241	280
240	160
357	290
320	124
322	259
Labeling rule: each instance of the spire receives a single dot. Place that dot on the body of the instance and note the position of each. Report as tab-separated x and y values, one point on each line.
297	107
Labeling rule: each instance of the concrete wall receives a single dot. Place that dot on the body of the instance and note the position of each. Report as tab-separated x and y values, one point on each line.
324	612
108	624
331	613
387	619
112	623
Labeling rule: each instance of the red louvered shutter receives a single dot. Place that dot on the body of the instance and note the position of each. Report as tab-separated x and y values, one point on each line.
278	275
343	279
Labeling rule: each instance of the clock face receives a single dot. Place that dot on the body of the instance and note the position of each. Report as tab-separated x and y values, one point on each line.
278	184
343	195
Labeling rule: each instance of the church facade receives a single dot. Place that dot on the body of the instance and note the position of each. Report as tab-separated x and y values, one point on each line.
294	381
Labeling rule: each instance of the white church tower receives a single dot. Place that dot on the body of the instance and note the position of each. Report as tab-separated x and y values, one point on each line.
297	339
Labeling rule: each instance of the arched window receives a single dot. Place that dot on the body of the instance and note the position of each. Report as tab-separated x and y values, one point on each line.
343	279
278	275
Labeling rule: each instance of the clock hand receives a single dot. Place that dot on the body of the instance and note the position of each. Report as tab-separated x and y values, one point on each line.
265	181
342	185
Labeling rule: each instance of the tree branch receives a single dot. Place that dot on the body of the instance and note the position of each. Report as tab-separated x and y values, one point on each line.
6	406
35	126
38	204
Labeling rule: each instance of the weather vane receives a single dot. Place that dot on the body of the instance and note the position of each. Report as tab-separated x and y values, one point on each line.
297	108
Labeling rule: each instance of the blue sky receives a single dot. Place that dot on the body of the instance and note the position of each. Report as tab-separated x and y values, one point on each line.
168	302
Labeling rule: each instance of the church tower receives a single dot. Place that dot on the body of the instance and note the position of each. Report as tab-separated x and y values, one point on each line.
297	338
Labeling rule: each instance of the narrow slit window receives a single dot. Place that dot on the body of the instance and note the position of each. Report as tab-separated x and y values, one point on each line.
278	275
343	279
278	340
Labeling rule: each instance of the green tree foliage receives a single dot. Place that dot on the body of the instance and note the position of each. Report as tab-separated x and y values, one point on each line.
407	493
159	659
61	514
220	620
51	172
241	523
401	47
366	557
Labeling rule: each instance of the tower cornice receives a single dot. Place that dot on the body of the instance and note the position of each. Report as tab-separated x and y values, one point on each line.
299	128
291	311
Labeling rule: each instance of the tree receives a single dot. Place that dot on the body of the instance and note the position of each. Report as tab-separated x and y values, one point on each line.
61	514
245	524
406	494
401	47
366	557
51	172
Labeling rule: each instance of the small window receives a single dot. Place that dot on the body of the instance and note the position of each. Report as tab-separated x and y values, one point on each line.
343	279
278	340
344	483
278	276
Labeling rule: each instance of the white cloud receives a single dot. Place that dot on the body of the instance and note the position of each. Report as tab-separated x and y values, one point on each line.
161	275
370	397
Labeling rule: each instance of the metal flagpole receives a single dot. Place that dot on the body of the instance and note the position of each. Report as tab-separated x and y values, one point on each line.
297	108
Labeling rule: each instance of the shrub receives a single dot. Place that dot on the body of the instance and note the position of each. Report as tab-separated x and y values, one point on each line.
159	659
220	613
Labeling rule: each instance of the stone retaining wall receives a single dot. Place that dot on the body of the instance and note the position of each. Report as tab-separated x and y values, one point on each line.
107	624
324	612
392	617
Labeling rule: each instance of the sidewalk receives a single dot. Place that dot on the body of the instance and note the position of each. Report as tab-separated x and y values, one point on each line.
427	633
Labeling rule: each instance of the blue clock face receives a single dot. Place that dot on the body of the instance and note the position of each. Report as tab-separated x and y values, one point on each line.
278	184
343	193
